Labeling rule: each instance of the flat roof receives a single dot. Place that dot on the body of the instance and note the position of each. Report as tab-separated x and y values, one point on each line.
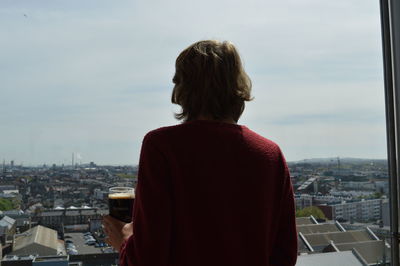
317	228
344	258
51	258
324	239
303	220
370	251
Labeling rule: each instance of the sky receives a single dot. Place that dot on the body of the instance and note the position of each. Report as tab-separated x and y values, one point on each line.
93	77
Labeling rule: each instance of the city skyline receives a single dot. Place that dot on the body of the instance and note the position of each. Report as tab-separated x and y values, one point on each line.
79	162
95	77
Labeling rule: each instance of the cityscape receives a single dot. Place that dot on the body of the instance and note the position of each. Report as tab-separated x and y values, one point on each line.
52	213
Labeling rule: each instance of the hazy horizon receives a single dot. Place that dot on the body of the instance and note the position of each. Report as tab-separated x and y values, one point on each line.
49	164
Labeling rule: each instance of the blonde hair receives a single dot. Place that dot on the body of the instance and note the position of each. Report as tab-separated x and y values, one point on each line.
210	81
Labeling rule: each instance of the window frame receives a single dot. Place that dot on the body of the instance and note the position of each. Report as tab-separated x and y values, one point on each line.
390	25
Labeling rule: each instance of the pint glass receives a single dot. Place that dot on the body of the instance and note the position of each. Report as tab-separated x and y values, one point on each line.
120	203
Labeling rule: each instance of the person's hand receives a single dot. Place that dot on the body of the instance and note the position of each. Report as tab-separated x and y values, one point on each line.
117	232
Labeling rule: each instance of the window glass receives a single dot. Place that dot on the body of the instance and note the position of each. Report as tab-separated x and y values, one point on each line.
83	81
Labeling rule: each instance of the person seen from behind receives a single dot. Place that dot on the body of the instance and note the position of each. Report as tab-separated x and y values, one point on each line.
210	192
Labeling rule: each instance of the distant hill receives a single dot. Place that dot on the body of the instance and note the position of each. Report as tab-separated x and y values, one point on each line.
342	160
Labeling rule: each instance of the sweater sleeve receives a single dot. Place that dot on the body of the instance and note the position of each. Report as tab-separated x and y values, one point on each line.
285	247
150	243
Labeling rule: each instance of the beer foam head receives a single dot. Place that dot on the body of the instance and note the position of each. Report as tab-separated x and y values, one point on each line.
121	195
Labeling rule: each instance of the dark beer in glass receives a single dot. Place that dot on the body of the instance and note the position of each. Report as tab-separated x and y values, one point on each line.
120	203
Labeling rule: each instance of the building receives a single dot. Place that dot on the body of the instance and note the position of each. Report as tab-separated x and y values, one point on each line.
7	228
385	212
317	239
32	260
357	185
39	240
59	217
316	242
100	194
99	259
14	260
95	224
307	200
310	185
51	261
21	218
361	211
8	189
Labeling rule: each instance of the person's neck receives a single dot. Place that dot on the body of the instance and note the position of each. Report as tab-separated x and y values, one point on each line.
227	120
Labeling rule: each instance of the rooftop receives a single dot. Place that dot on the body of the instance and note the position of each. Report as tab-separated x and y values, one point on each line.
319	241
345	258
304	220
317	228
51	258
39	236
7	222
370	251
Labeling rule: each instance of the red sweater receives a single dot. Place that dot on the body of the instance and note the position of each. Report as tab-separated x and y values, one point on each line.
211	193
